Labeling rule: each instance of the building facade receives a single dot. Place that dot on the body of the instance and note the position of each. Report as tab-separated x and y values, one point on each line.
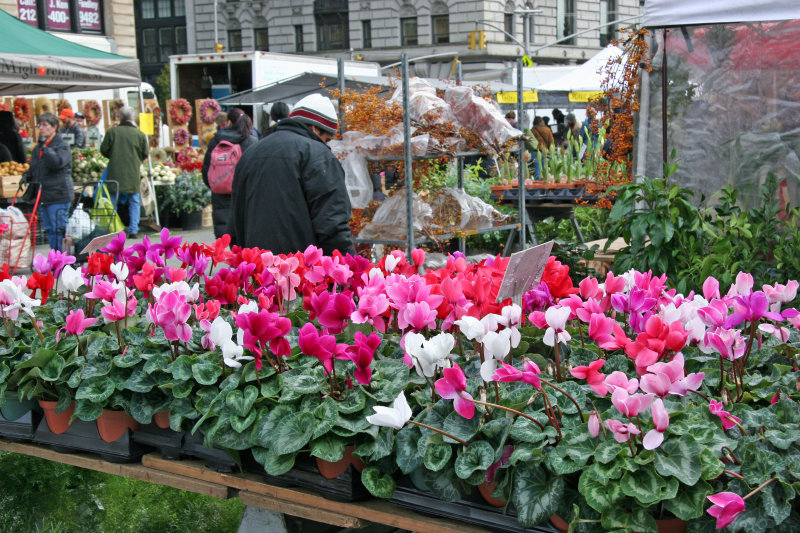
106	25
380	30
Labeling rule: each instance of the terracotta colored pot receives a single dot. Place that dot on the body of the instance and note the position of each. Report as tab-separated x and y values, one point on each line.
559	523
57	422
161	419
332	470
113	424
486	490
671	525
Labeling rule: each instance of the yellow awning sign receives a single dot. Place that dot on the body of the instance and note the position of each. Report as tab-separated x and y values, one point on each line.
583	96
146	123
510	97
527	61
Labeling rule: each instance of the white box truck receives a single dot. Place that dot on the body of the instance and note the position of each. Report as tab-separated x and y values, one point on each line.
215	75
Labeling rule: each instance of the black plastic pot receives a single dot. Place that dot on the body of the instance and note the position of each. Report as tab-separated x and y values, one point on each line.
83	436
471	509
345	488
192	221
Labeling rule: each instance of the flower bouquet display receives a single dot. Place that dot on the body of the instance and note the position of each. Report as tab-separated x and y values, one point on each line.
607	406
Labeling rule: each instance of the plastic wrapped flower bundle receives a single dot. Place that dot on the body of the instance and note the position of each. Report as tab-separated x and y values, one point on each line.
611	404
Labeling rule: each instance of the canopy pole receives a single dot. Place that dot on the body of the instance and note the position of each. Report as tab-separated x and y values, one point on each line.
521	162
664	156
149	163
407	161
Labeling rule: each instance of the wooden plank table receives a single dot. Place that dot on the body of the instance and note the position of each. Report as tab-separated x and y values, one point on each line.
195	477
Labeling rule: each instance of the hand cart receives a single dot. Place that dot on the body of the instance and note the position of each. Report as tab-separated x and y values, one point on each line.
86	218
18	235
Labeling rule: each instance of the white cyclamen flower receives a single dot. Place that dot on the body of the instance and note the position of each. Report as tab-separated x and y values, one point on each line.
429	354
395	416
71	279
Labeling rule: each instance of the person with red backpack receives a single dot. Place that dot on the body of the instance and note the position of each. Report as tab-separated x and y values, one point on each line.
223	153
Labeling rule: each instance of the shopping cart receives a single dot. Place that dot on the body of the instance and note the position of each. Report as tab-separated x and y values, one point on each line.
89	215
18	237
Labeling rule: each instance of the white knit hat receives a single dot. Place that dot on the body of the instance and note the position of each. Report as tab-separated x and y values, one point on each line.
316	110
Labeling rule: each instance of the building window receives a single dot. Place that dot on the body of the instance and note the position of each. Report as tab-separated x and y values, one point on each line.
180	8
234	40
298	38
164	9
565	20
149	46
408	31
261	38
508	25
332	31
441	29
180	40
608	13
148	9
366	34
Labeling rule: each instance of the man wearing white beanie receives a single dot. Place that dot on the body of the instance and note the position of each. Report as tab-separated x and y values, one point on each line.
289	190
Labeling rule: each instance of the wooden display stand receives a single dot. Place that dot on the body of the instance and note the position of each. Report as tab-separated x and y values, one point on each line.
252	490
150	105
173	127
202	127
110	117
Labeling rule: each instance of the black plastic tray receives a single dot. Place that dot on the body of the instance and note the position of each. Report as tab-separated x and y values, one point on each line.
472	510
83	436
22	429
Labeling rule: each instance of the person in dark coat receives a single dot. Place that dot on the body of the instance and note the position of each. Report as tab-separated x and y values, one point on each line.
126	147
51	169
289	190
236	131
278	112
10	137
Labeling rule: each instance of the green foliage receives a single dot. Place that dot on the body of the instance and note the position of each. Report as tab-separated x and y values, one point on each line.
668	233
189	194
39	495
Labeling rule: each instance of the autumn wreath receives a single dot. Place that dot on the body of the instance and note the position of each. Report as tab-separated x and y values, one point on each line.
22	109
181	111
180	136
209	109
93	112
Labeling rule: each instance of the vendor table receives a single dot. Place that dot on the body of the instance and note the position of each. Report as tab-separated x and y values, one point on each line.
194	477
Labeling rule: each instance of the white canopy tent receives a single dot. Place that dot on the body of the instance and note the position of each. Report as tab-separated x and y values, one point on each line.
587	77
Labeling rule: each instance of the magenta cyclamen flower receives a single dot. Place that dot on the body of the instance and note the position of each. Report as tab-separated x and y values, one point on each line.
265	328
728	420
323	347
77	322
622	432
529	374
453	386
727	506
751	307
417	315
333	310
361	354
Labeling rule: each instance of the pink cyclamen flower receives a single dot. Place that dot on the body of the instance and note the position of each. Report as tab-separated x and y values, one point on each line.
594	424
655	436
779	332
618	379
333	310
728	420
453	386
630	404
77	322
607	332
710	288
775	398
118	308
417	315
323	347
529	374
727	506
593	376
171	311
728	342
622	432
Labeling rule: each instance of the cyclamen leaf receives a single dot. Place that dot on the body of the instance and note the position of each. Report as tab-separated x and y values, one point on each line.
680	458
377	483
536	494
293	432
478	456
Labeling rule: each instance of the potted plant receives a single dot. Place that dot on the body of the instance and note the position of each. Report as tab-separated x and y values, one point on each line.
187	199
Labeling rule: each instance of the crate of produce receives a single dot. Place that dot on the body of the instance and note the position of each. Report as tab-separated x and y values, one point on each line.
10	186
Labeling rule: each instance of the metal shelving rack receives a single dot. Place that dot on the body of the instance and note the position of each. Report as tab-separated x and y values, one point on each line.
410	242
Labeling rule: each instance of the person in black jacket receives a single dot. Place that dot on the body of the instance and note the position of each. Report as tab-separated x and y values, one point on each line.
289	190
237	131
51	168
10	137
278	112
